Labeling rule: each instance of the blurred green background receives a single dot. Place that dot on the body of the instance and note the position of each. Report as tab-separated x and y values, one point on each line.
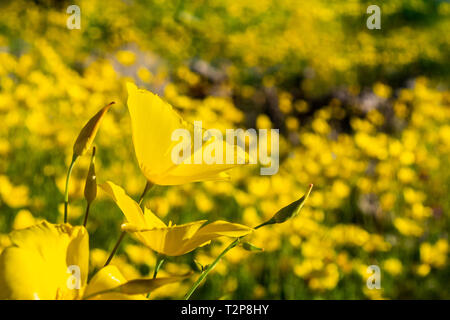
363	114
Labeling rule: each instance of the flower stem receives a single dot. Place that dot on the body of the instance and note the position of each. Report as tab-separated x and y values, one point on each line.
158	264
66	194
148	186
86	214
113	252
210	267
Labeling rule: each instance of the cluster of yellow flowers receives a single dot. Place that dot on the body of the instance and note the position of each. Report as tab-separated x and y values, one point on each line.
378	158
34	265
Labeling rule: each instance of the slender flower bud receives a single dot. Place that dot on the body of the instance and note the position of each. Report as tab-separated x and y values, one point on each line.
289	211
87	134
90	188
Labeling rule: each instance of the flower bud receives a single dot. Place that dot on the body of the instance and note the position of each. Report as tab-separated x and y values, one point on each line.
87	134
289	211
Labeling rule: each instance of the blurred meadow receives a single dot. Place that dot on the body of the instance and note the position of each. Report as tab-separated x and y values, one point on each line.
363	114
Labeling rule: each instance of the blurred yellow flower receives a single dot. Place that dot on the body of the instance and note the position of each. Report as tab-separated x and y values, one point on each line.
125	57
340	189
171	240
382	90
263	122
393	266
435	255
408	227
423	270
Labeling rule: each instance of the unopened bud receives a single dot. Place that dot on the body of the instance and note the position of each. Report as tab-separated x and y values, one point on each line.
87	134
289	211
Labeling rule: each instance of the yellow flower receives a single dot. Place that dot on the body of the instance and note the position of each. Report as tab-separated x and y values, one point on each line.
36	265
434	255
125	57
408	227
153	122
50	261
393	266
171	240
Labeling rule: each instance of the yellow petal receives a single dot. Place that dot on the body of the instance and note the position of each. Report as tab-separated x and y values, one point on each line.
144	286
129	207
153	121
152	124
224	228
218	229
170	241
151	220
23	219
110	284
36	265
87	134
107	279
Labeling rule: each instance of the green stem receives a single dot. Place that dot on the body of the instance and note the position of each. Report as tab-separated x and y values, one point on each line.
148	186
113	252
86	214
210	267
66	194
158	264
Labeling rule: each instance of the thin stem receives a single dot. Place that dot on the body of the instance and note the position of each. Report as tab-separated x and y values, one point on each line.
148	186
158	264
66	194
86	214
113	252
210	267
262	225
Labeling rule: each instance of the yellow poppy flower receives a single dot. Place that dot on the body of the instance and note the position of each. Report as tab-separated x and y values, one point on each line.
50	261
36	265
153	122
171	240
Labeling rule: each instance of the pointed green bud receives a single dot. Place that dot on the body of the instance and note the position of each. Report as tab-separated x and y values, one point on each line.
250	247
90	188
88	133
289	211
